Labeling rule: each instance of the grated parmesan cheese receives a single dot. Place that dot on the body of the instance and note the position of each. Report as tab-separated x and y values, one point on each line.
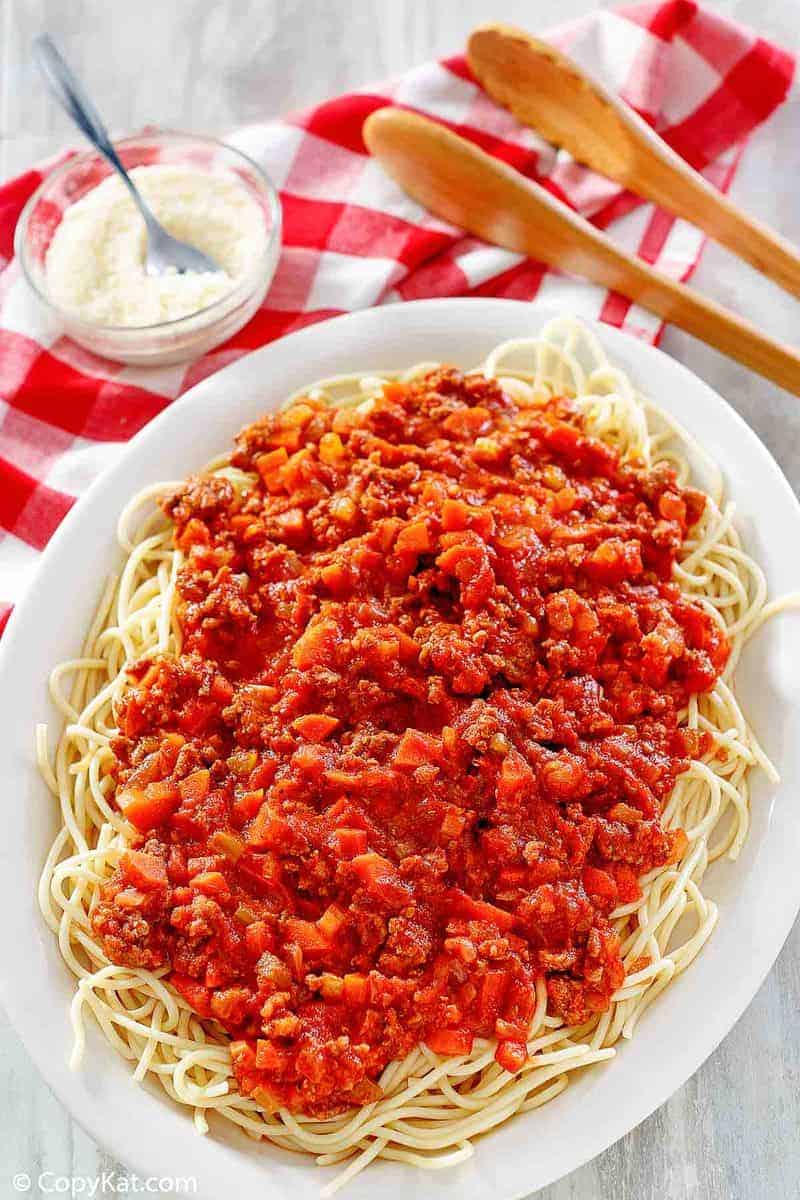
95	262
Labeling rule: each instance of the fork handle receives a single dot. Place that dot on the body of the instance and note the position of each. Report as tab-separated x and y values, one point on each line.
71	95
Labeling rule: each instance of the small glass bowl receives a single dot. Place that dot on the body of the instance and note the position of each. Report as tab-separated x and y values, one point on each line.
169	341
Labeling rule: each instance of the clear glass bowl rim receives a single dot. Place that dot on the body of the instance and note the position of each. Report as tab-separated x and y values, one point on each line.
222	305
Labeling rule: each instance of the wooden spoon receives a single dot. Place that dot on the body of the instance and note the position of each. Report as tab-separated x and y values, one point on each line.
551	93
460	183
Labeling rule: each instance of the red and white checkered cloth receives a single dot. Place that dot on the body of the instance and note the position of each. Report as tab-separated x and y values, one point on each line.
352	239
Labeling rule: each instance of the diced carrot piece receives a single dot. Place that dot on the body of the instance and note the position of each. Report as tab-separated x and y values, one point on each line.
395	392
270	463
458	516
466	422
414	539
341	810
672	507
331	921
210	883
355	988
230	1005
315	727
268	830
315	646
309	758
625	813
336	578
331	450
131	899
291	525
144	871
307	935
149	807
290	438
453	823
380	877
263	775
215	976
224	842
614	560
195	787
450	1041
564	500
297	415
246	806
416	749
455	515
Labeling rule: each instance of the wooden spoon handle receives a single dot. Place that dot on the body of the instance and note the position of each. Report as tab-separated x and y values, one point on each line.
549	92
685	193
460	183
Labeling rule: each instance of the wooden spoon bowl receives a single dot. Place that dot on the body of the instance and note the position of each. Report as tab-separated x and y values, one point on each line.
460	183
553	95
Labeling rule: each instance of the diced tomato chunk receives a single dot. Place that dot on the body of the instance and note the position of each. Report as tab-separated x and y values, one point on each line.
196	716
259	937
450	1041
511	1056
600	884
349	842
463	905
194	993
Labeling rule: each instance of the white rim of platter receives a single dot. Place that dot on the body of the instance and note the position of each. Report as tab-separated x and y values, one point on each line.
759	895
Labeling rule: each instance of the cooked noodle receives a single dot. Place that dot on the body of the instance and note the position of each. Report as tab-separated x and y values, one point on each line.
432	1106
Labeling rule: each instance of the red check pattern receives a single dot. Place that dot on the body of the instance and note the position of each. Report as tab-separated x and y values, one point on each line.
352	239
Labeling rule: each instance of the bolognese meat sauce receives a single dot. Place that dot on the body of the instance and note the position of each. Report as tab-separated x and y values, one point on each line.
417	743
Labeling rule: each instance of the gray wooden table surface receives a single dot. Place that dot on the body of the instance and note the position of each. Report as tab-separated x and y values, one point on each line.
732	1132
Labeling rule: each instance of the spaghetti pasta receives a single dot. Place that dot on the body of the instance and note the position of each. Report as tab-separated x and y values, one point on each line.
432	1105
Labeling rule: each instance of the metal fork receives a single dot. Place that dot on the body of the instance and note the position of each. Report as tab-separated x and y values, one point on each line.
164	252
